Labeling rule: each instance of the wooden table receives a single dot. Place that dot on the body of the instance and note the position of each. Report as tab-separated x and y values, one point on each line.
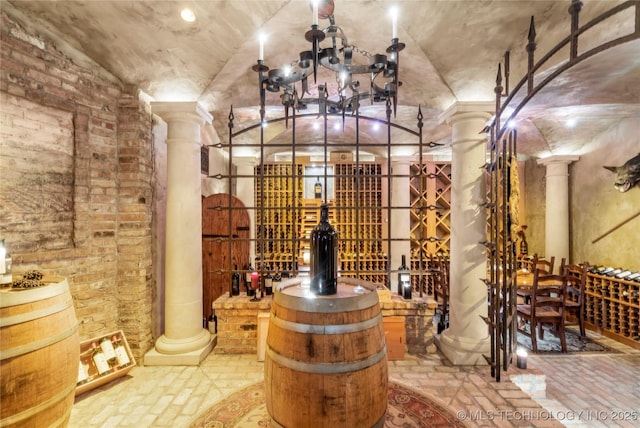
525	280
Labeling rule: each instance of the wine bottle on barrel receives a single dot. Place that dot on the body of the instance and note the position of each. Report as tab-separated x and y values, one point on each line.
324	256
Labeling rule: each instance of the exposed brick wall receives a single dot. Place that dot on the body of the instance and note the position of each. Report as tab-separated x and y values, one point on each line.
238	323
134	240
101	239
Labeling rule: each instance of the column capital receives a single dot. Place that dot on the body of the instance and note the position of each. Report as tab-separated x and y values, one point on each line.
467	110
190	111
558	159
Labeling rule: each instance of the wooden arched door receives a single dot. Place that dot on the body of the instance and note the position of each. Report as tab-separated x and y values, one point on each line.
222	248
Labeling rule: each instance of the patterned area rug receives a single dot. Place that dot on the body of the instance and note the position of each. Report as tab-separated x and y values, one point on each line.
246	408
575	343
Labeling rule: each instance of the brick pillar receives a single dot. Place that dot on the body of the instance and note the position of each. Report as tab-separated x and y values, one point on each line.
185	341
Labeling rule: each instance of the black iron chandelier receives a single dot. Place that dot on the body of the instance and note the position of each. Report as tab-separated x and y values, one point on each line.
331	50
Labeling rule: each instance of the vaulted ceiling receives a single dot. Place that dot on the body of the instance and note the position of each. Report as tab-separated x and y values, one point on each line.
452	53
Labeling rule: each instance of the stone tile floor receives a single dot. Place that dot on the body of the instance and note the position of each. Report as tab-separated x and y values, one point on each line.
578	390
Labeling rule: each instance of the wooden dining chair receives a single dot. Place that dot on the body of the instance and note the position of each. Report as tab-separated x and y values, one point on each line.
563	265
547	306
544	265
537	264
574	301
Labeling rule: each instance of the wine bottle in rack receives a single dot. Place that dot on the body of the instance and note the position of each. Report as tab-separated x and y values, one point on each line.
100	360
317	189
121	351
83	373
109	352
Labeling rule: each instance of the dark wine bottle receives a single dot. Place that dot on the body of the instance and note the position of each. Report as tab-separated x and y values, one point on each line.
247	279
268	284
403	277
213	322
317	189
235	281
324	256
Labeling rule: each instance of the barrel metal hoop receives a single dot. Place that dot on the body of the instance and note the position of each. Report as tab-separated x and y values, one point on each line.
29	295
326	305
327	368
378	424
326	328
31	411
34	315
39	344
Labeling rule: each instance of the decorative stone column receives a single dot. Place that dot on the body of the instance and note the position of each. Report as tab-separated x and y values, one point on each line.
556	217
185	341
467	338
400	217
245	191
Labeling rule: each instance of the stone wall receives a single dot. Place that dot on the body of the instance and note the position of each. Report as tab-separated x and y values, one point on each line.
76	191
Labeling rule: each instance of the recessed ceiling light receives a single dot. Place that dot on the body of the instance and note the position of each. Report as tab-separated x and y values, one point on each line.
570	123
187	15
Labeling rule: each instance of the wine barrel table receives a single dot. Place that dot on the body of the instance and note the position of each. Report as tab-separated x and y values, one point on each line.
326	358
39	355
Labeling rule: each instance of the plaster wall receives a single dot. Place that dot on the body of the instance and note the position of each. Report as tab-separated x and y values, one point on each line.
595	206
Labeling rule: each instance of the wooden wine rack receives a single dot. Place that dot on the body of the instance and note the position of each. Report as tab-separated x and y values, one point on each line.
356	213
430	230
358	207
612	308
96	380
280	205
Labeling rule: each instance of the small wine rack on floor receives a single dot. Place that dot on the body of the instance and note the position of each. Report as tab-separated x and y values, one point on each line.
95	380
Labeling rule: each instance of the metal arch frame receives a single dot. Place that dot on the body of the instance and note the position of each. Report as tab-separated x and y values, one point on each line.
420	145
502	285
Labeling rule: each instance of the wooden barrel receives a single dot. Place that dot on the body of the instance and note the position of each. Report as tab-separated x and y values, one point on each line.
39	355
326	359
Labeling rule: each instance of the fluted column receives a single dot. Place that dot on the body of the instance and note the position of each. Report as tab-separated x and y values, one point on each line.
245	191
185	341
556	224
400	218
467	338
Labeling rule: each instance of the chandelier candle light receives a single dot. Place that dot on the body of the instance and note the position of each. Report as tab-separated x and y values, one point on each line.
381	70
